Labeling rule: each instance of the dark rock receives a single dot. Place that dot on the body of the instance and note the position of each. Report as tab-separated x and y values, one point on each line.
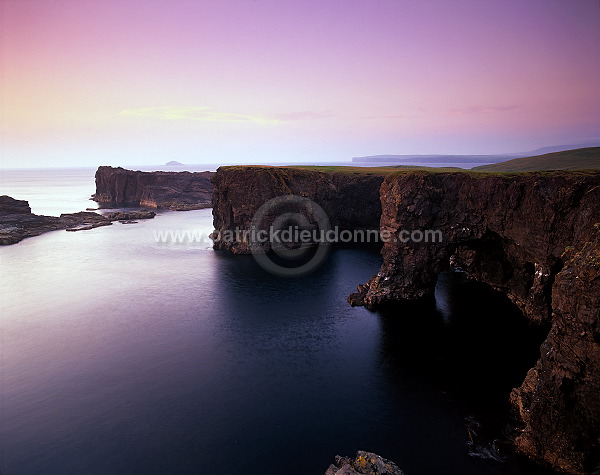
9	205
18	222
365	463
84	221
511	231
559	401
130	215
350	200
180	191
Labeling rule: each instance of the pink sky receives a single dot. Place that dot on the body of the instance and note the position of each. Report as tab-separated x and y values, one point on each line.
126	82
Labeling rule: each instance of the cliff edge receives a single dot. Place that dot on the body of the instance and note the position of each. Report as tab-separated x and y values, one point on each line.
351	200
178	191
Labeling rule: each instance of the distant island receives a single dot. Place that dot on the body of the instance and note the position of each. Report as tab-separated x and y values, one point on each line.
173	163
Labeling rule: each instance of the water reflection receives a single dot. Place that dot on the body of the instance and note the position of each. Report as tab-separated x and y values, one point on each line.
445	293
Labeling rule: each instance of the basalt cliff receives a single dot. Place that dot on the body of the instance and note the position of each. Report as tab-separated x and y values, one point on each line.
350	200
177	191
534	236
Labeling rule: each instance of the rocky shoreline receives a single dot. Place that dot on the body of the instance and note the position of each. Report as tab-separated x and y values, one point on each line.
17	222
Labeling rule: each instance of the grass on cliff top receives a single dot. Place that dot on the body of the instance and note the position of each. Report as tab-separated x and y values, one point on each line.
405	169
349	169
578	159
374	170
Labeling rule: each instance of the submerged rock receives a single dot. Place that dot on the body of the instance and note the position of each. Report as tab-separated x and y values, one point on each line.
130	215
365	463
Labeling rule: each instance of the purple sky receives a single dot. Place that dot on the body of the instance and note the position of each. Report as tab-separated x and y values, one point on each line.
126	82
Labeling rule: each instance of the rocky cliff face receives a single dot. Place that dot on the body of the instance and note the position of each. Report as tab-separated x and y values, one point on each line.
512	231
351	200
533	236
559	401
171	190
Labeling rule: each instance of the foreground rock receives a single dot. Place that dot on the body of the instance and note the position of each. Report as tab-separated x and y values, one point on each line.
18	222
179	191
365	463
512	231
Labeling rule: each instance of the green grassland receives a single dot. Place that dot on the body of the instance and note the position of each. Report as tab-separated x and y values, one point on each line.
578	159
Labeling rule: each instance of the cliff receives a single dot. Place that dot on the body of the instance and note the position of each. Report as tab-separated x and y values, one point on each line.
171	190
350	199
534	237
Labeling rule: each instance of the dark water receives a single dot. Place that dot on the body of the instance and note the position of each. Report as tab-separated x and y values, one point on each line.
121	355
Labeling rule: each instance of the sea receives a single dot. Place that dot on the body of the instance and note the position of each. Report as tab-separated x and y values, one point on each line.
123	354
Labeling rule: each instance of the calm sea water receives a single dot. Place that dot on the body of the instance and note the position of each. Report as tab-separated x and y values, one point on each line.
123	355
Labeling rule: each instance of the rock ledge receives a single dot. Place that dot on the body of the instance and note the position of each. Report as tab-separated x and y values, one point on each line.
365	463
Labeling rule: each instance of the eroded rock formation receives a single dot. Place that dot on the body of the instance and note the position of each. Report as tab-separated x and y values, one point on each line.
511	232
178	191
350	200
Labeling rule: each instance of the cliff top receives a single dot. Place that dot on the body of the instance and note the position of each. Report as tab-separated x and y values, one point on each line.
405	169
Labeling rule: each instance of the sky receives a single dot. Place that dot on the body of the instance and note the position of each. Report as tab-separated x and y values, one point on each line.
134	82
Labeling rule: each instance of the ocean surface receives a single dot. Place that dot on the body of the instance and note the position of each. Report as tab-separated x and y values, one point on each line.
123	355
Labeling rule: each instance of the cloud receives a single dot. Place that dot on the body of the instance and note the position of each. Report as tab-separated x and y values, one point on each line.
208	115
304	115
481	110
196	113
